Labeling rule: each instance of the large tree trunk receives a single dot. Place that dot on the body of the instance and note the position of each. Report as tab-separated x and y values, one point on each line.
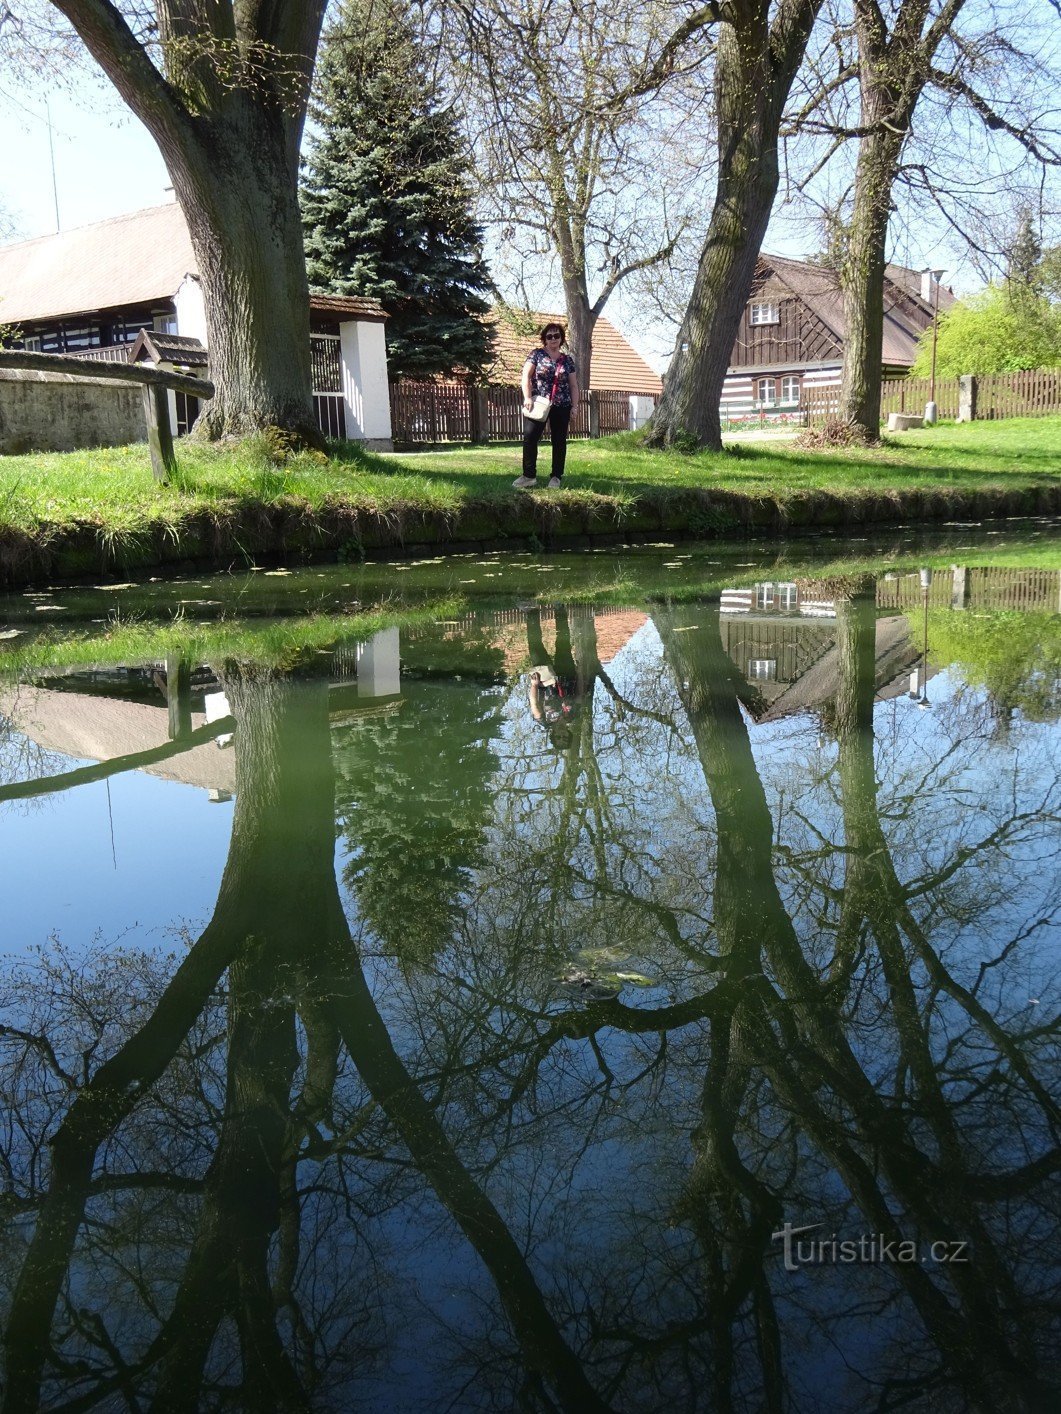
885	114
581	315
754	68
241	205
892	73
862	281
226	107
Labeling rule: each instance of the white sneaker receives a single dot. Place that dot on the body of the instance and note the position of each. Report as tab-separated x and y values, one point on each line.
525	483
555	483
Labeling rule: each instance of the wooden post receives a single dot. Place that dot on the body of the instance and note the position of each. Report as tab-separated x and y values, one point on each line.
960	587
480	416
159	432
594	413
179	696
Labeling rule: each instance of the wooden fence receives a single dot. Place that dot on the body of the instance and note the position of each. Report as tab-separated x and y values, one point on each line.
1034	393
912	394
975	587
429	412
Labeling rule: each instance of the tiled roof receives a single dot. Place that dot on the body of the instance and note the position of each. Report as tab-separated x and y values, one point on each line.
616	364
818	287
132	259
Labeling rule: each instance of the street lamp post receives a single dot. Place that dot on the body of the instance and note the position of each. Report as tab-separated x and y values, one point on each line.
931	411
919	677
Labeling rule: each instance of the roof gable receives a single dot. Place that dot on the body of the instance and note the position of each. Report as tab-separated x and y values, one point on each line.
616	363
817	287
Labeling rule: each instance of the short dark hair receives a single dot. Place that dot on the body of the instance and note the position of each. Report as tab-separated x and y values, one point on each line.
554	324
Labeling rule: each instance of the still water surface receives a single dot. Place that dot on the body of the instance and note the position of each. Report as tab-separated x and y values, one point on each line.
382	1030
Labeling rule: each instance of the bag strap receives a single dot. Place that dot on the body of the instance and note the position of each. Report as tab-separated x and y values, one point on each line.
560	364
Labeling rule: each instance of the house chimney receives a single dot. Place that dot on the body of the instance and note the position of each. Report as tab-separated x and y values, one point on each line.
927	283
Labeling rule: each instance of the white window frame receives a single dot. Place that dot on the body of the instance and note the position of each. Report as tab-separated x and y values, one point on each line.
790	389
764	312
770	398
762	669
32	343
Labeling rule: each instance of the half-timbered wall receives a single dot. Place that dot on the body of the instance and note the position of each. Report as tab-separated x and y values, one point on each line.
799	336
76	333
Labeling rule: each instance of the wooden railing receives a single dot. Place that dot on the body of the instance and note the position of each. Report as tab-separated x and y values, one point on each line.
429	412
155	382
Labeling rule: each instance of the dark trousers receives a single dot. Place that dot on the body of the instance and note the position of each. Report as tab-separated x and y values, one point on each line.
532	434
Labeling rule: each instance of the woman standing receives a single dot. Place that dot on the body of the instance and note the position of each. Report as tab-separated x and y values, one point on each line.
548	373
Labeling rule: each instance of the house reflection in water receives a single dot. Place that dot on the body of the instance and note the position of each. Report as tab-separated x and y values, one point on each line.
781	638
134	711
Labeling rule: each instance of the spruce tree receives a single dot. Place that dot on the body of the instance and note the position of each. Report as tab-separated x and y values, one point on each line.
386	194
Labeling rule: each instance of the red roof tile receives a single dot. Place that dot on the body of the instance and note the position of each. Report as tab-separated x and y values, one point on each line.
616	364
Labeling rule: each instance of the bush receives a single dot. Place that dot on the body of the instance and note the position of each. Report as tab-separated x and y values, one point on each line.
993	332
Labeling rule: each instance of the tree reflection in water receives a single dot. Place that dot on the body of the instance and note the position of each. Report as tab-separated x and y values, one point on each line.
217	1179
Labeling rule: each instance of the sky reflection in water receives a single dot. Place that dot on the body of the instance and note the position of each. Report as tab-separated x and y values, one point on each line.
471	1045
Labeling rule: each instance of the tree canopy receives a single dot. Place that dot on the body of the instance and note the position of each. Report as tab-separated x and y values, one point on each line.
990	332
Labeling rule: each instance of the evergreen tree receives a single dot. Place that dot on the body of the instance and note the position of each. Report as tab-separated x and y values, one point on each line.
386	194
1022	266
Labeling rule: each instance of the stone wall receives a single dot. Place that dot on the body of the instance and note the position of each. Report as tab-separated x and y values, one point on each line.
54	412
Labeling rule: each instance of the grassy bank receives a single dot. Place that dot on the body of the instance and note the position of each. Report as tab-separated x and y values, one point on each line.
86	513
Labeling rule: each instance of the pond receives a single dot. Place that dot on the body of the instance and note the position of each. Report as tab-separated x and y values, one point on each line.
601	982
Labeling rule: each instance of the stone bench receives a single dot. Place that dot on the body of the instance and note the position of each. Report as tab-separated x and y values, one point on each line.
904	421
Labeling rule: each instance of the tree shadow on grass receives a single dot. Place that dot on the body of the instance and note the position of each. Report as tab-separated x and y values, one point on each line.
744	468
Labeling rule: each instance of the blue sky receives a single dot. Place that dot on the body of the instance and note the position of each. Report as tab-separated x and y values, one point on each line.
105	160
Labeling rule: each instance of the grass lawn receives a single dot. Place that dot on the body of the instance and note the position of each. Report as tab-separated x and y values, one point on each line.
75	513
970	454
114	484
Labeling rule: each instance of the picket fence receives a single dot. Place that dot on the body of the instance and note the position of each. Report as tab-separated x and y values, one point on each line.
433	412
1034	393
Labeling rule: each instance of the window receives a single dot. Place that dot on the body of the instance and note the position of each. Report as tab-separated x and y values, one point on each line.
762	669
32	344
784	596
765	314
790	390
764	390
164	324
